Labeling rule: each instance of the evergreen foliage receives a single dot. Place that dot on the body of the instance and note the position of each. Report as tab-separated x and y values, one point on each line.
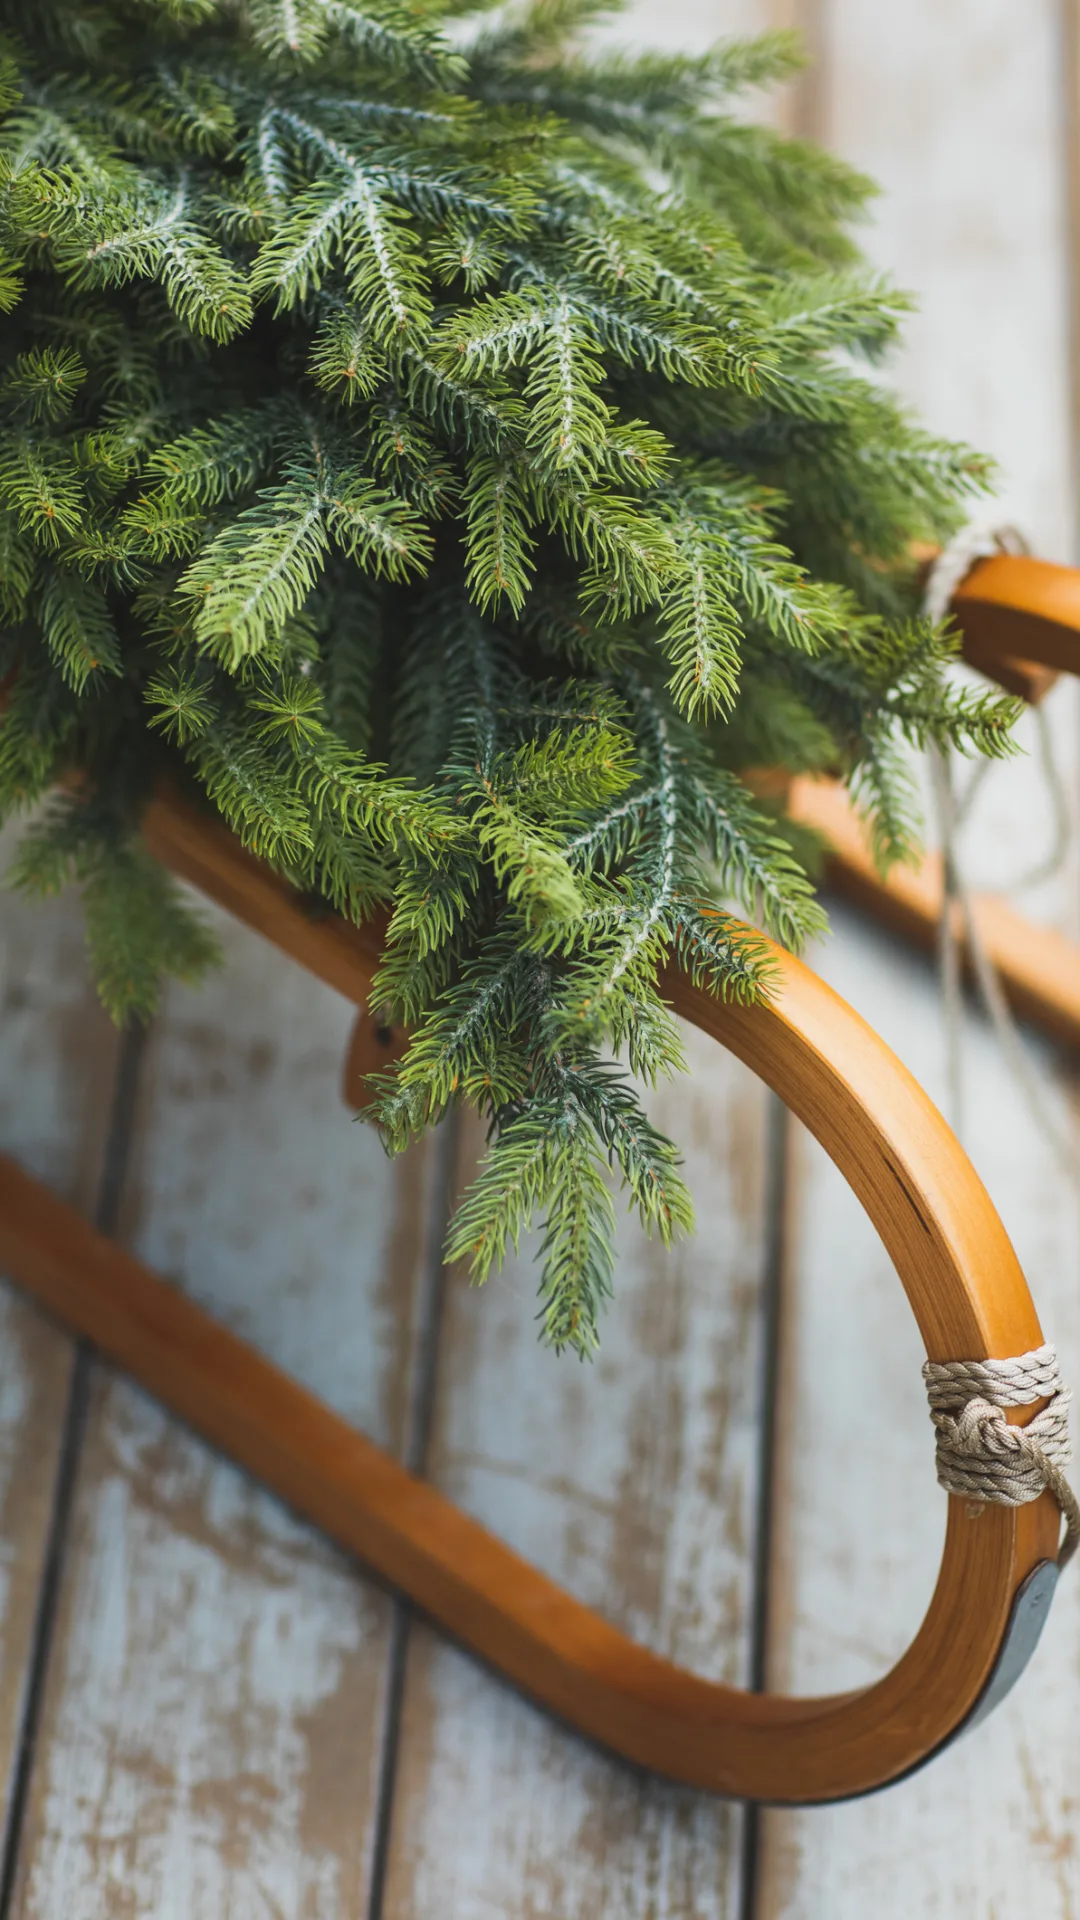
446	449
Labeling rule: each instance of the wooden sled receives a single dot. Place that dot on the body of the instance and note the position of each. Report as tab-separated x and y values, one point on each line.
1020	622
953	1258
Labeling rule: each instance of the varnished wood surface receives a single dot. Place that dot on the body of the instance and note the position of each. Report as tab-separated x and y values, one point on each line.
200	848
211	1733
963	1283
958	110
560	1652
1017	606
827	1065
1038	965
634	1482
1020	621
955	109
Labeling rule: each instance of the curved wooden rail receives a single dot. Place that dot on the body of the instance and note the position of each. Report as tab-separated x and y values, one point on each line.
1020	622
953	1258
1039	968
1019	619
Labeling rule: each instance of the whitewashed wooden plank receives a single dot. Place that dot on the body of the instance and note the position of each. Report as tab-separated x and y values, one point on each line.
101	1816
211	1735
696	24
988	1825
58	1046
957	109
57	1055
254	1185
635	1482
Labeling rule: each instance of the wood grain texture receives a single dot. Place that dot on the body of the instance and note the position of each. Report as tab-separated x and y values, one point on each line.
629	1848
57	1055
857	1525
942	1853
1039	967
1016	605
634	1481
969	1298
212	1728
957	108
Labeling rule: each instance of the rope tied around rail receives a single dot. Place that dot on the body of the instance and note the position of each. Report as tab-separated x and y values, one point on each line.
984	1459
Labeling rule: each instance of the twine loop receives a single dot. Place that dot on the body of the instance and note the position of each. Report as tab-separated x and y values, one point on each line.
979	1455
984	1459
976	541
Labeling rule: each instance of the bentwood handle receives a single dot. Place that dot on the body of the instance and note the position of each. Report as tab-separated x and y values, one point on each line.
1020	621
953	1258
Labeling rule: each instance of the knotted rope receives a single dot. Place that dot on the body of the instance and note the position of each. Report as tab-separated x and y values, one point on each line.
979	1455
984	1459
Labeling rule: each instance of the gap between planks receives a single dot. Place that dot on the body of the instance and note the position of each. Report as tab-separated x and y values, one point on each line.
957	110
431	1298
777	1356
216	1697
417	1420
118	1138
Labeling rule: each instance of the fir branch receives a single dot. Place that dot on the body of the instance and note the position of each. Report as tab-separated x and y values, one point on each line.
385	34
401	583
17	567
40	482
345	359
42	383
260	569
112	238
78	628
140	927
222	460
354	222
501	543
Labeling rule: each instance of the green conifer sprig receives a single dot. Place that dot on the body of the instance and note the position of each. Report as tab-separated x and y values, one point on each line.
448	454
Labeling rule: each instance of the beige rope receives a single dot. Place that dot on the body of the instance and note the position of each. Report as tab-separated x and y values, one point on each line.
979	1455
974	542
950	569
984	1459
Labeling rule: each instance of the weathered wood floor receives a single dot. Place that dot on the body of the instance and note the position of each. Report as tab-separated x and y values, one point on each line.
205	1713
